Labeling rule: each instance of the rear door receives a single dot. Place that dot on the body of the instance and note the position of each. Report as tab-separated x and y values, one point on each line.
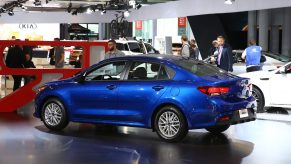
146	82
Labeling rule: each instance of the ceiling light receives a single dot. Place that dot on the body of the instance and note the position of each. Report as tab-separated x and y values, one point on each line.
10	13
138	6
126	14
23	8
89	11
69	9
228	2
37	2
103	12
75	12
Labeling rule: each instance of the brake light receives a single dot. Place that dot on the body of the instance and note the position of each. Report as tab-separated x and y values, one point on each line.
213	91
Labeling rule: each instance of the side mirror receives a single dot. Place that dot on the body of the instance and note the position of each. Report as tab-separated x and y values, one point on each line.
82	78
282	70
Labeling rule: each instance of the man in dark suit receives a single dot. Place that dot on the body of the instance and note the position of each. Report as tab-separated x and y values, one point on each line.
15	59
225	57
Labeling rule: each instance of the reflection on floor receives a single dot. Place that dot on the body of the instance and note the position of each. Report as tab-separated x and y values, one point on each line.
24	139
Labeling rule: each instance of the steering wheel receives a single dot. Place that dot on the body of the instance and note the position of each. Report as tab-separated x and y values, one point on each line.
110	77
101	77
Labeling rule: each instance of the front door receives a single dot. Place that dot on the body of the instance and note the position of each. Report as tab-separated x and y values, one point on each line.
280	87
96	97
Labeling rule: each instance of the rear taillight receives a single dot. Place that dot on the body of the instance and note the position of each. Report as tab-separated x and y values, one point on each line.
213	91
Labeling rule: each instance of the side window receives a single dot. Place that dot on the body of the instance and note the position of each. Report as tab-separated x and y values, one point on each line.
111	71
147	71
150	49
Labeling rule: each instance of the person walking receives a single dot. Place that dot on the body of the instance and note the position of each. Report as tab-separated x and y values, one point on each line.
252	55
225	57
214	48
59	55
194	51
185	51
15	59
113	51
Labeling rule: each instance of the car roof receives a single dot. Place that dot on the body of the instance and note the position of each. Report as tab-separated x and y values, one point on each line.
126	41
148	57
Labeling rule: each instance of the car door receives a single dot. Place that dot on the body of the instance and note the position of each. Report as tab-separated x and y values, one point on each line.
146	82
96	97
280	87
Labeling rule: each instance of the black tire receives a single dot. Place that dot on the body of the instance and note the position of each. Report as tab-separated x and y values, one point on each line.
62	113
177	117
260	100
218	129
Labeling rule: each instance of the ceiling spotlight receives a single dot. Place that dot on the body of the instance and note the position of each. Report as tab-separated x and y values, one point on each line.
126	14
37	2
23	8
89	11
138	6
69	9
2	10
10	13
75	12
229	2
103	12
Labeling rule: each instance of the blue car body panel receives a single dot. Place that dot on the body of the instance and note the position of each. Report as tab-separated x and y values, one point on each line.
133	103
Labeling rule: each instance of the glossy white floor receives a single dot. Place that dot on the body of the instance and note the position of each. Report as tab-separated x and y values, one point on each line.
24	139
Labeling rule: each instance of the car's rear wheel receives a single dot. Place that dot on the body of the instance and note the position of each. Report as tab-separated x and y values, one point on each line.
54	114
170	124
218	129
260	100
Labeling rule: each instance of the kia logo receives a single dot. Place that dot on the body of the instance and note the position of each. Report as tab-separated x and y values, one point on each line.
27	26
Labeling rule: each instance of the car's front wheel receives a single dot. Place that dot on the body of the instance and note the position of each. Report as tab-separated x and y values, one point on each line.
170	124
54	115
218	129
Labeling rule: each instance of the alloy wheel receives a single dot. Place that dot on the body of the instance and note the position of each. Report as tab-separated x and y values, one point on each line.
169	124
53	114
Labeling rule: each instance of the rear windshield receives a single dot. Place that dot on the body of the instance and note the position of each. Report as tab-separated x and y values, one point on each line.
134	47
199	68
121	46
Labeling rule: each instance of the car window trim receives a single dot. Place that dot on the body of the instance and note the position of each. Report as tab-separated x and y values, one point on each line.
122	75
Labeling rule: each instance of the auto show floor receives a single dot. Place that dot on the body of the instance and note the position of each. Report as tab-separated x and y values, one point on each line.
24	139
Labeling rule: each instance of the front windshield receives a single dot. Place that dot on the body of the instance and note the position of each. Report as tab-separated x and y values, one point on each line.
280	57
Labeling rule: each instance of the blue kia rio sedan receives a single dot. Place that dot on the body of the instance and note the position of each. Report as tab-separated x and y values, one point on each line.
165	93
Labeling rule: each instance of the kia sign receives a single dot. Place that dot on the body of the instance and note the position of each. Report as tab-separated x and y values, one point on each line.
27	26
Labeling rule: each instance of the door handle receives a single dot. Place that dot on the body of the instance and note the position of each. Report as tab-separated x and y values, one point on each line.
158	87
111	87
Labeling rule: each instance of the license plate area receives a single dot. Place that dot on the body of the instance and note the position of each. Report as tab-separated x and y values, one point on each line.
243	113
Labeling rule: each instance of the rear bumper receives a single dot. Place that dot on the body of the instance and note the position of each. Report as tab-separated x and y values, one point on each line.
235	118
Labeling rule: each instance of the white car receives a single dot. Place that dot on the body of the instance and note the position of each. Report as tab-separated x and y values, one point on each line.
129	47
273	61
271	88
